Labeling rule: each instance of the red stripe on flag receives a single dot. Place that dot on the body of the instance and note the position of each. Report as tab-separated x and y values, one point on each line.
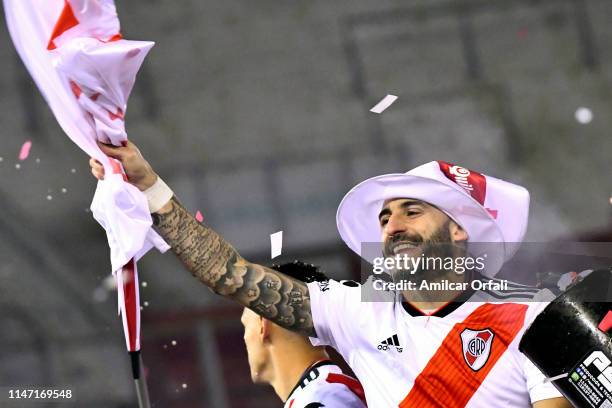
447	381
131	303
66	21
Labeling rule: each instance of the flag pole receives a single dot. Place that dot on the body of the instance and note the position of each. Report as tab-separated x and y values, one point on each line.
142	391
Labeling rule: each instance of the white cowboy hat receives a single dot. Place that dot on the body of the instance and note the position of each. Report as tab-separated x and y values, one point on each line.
493	212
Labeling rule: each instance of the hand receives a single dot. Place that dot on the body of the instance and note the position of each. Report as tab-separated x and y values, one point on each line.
137	169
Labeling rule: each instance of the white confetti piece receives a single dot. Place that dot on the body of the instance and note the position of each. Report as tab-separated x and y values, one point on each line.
18	166
276	242
184	385
173	342
25	150
64	190
49	197
73	170
99	294
383	104
556	377
144	284
146	304
37	160
583	115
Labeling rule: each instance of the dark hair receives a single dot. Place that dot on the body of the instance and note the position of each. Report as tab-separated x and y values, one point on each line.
301	271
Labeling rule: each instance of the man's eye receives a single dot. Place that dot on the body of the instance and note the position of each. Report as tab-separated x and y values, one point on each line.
384	222
412	212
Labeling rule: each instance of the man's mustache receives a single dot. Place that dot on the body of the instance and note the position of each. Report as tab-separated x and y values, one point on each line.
398	238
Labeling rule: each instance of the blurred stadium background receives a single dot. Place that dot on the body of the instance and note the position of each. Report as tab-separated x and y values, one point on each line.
256	113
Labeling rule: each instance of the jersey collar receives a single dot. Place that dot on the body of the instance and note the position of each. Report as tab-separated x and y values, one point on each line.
305	375
446	308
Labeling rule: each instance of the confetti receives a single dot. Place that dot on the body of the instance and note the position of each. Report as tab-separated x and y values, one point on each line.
583	115
144	284
173	342
383	104
109	283
276	242
73	170
64	190
199	216
146	304
49	197
37	160
610	200
18	166
184	385
99	294
25	150
165	346
1	159
556	377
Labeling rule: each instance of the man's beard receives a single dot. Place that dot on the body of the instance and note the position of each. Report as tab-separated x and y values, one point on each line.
438	246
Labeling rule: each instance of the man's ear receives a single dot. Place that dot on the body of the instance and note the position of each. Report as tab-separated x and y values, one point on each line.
265	329
457	233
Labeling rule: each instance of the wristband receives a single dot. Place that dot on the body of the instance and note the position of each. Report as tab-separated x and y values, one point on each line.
158	195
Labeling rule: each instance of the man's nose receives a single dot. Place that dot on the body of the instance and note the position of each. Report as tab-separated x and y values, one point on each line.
394	225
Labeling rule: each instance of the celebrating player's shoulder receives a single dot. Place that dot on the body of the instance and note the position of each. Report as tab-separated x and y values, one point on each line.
324	385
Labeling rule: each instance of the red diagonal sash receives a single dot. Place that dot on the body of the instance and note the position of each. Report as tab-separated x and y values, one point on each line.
447	381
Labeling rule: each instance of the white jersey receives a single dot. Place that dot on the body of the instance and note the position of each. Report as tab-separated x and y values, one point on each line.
324	385
464	354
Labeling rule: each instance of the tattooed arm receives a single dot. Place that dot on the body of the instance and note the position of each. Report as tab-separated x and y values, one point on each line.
212	260
270	293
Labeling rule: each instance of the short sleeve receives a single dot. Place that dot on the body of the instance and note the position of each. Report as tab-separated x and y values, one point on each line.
536	385
330	307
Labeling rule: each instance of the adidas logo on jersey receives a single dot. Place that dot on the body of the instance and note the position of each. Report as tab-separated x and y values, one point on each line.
392	341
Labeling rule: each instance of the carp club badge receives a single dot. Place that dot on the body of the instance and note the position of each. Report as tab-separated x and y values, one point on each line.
476	346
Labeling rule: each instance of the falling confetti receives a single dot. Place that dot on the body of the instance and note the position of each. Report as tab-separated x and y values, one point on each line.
37	160
64	190
73	170
583	115
109	283
276	241
100	294
49	197
18	166
146	304
199	216
173	342
610	200
144	284
383	104
165	346
184	385
1	159
25	150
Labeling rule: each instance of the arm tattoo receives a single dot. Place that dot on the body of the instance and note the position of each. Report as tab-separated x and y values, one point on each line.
273	295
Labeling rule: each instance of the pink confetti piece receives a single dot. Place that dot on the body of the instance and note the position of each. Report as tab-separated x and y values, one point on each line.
25	150
199	216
